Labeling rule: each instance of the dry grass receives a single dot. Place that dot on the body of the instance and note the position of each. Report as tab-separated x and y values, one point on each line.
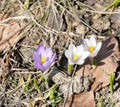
54	23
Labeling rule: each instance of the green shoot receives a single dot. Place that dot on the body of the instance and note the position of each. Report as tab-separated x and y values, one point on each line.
111	82
44	80
94	64
26	84
26	4
26	89
57	100
36	85
70	69
52	92
115	3
30	104
100	102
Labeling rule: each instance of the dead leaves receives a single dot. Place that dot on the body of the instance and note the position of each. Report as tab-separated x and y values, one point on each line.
81	100
8	33
107	63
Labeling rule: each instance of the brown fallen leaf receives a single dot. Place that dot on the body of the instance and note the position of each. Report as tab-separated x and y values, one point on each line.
85	99
8	33
106	64
106	56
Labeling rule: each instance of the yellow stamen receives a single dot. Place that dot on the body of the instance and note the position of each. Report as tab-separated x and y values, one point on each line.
43	59
75	57
91	49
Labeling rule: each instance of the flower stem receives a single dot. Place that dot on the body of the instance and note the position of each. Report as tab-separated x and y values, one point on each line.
94	63
44	80
70	69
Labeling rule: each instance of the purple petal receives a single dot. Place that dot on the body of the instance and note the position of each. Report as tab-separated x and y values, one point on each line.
40	50
37	62
39	66
46	65
49	62
36	57
53	58
48	53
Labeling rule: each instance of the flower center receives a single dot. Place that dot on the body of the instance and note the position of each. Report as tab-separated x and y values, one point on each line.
43	59
91	49
75	57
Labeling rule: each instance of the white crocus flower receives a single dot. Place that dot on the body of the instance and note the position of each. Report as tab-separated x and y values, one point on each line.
76	55
92	46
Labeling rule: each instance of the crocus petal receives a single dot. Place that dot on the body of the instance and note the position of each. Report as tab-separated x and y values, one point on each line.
98	47
93	41
85	55
48	53
53	58
72	48
39	66
42	68
36	56
80	50
92	46
68	54
46	65
87	44
80	62
70	51
37	62
40	50
93	54
71	62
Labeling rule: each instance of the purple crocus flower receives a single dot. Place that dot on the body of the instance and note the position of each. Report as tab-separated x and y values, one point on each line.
43	57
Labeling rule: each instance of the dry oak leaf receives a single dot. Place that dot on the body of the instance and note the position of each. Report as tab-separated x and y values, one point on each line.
106	62
8	33
85	99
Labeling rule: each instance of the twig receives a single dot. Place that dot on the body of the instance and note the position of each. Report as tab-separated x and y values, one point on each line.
77	18
102	12
14	18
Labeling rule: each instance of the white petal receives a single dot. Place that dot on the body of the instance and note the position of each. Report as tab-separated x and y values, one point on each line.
72	48
93	54
93	40
87	42
85	55
80	62
79	50
68	54
98	47
71	62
